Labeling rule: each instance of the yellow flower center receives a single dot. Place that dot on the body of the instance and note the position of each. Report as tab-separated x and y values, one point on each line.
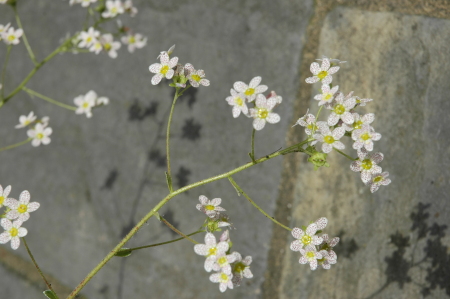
365	136
40	136
322	74
328	139
11	38
196	77
210	207
357	124
85	105
222	261
327	96
131	40
223	277
339	109
2	199
164	69
378	179
306	239
312	127
239	267
239	101
107	46
89	39
14	232
22	209
310	255
114	10
262	113
366	164
212	251
249	91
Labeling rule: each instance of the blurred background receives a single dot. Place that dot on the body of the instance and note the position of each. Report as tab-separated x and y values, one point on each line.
100	176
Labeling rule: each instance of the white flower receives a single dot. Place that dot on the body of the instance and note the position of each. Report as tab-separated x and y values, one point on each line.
211	250
169	52
367	164
251	90
3	29
72	2
241	268
332	60
328	247
341	109
362	102
196	77
305	238
262	112
210	207
321	223
327	95
224	279
237	100
96	47
4	194
11	36
101	101
134	41
322	73
359	122
88	38
223	263
364	137
129	8
86	3
326	261
85	103
310	255
40	134
13	232
163	69
377	180
26	120
22	208
3	1
113	8
273	94
109	45
330	139
309	122
222	220
44	121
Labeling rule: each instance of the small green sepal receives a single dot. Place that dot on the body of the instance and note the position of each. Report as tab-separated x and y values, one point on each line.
123	252
50	294
169	182
317	158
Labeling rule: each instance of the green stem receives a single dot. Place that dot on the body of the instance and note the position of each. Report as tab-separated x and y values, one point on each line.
50	100
15	145
169	175
164	201
8	51
176	230
49	285
344	154
24	37
239	189
253	146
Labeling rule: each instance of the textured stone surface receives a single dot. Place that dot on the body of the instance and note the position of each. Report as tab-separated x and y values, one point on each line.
97	179
394	243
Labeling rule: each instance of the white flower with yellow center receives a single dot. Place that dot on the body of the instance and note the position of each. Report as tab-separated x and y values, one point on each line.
88	38
377	180
224	279
327	95
326	261
25	120
223	263
211	250
4	195
134	41
341	109
96	47
310	255
359	121
305	238
40	134
210	207
362	102
327	246
322	73
163	69
13	232
364	137
241	268
262	112
109	45
252	90
129	8
196	77
309	122
113	8
22	208
85	103
367	164
11	36
3	29
237	100
330	139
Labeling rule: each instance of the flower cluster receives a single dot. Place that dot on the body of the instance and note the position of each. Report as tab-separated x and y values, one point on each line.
40	131
343	120
17	212
316	250
230	268
111	8
86	102
261	112
9	35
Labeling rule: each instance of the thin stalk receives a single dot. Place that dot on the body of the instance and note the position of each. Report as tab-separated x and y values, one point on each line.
49	285
164	243
176	230
8	51
344	154
239	189
164	201
15	145
253	145
169	175
50	100
24	37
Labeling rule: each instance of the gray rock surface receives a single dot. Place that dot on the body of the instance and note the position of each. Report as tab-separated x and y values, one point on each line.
394	243
95	180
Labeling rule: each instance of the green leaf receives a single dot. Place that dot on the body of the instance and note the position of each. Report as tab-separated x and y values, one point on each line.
124	252
50	294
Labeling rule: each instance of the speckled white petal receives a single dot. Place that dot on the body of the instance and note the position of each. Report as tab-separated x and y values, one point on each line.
296	245
385	182
333	119
24	197
374	188
247	273
173	62
155	68
204	82
327	80
368	145
368	118
347	118
270	103
311	229
326	148
5	237
203	199
375	169
22	232
6	224
215	201
333	69
356	166
312	80
209	264
297	232
314	68
15	242
6	191
13	214
261	101
164	58
366	177
316	240
240	86
313	264
338	133
325	64
259	123
321	223
261	89
303	260
273	118
376	136
190	68
157	78
169	74
12	203
376	157
358	144
236	111
210	240
255	82
338	145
